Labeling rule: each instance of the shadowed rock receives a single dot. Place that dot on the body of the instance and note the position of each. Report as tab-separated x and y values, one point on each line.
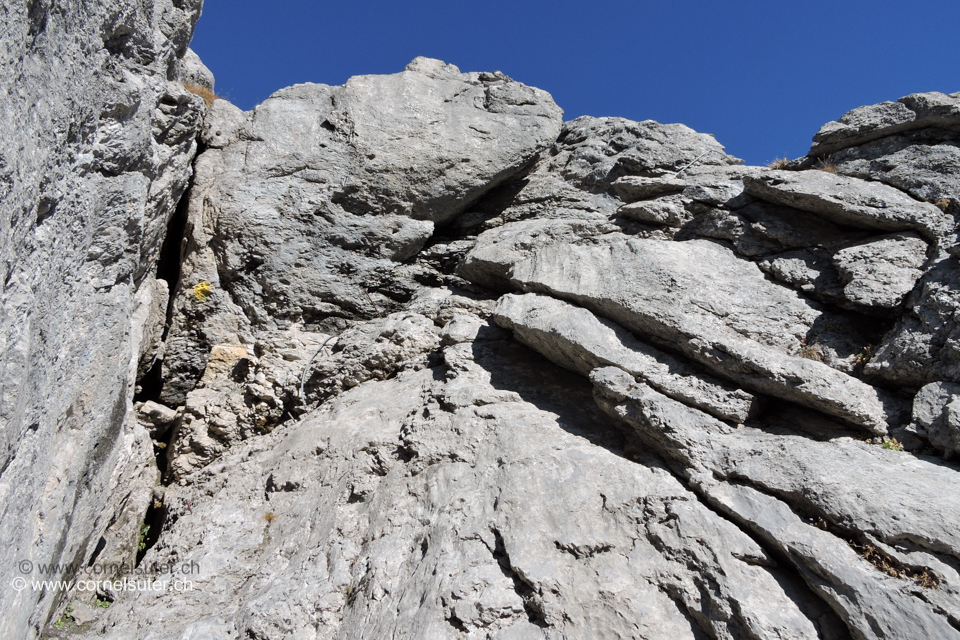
849	201
576	339
761	479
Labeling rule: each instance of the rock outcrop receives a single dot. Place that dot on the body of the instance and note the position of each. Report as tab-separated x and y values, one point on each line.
430	363
96	143
310	208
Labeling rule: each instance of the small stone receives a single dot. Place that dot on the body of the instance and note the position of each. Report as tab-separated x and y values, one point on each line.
81	613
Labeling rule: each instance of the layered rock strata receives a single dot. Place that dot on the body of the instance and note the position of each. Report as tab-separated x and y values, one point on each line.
440	365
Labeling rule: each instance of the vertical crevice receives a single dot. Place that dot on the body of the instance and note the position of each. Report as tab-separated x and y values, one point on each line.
168	269
171	252
150	530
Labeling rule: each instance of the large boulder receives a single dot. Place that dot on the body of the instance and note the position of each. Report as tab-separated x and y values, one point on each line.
880	272
309	208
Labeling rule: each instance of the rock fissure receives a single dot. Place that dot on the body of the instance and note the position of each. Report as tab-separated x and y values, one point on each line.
412	357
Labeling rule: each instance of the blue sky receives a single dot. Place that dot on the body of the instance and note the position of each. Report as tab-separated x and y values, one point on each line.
760	75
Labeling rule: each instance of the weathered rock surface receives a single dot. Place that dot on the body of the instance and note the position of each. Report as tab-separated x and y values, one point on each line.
96	143
849	201
390	513
576	339
927	169
700	299
880	272
936	409
865	124
810	270
308	207
351	442
925	344
578	178
770	477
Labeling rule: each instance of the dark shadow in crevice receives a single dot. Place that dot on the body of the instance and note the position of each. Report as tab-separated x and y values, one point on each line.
521	587
150	530
513	367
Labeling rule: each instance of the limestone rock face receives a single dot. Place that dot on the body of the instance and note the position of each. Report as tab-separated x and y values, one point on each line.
96	144
432	364
849	201
882	271
866	124
404	508
310	208
834	483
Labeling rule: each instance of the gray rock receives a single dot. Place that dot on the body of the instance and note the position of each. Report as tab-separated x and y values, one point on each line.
810	271
247	390
192	71
462	328
761	229
539	194
592	159
150	315
762	479
936	410
880	272
635	188
502	123
81	613
321	193
669	211
594	152
156	418
872	604
865	124
497	250
928	170
391	513
849	201
696	298
576	339
96	144
924	346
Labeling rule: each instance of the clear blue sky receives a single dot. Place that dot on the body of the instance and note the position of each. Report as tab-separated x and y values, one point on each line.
762	75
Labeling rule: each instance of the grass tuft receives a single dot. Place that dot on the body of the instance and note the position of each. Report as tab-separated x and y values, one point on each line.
924	578
892	445
778	163
826	165
199	90
812	351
